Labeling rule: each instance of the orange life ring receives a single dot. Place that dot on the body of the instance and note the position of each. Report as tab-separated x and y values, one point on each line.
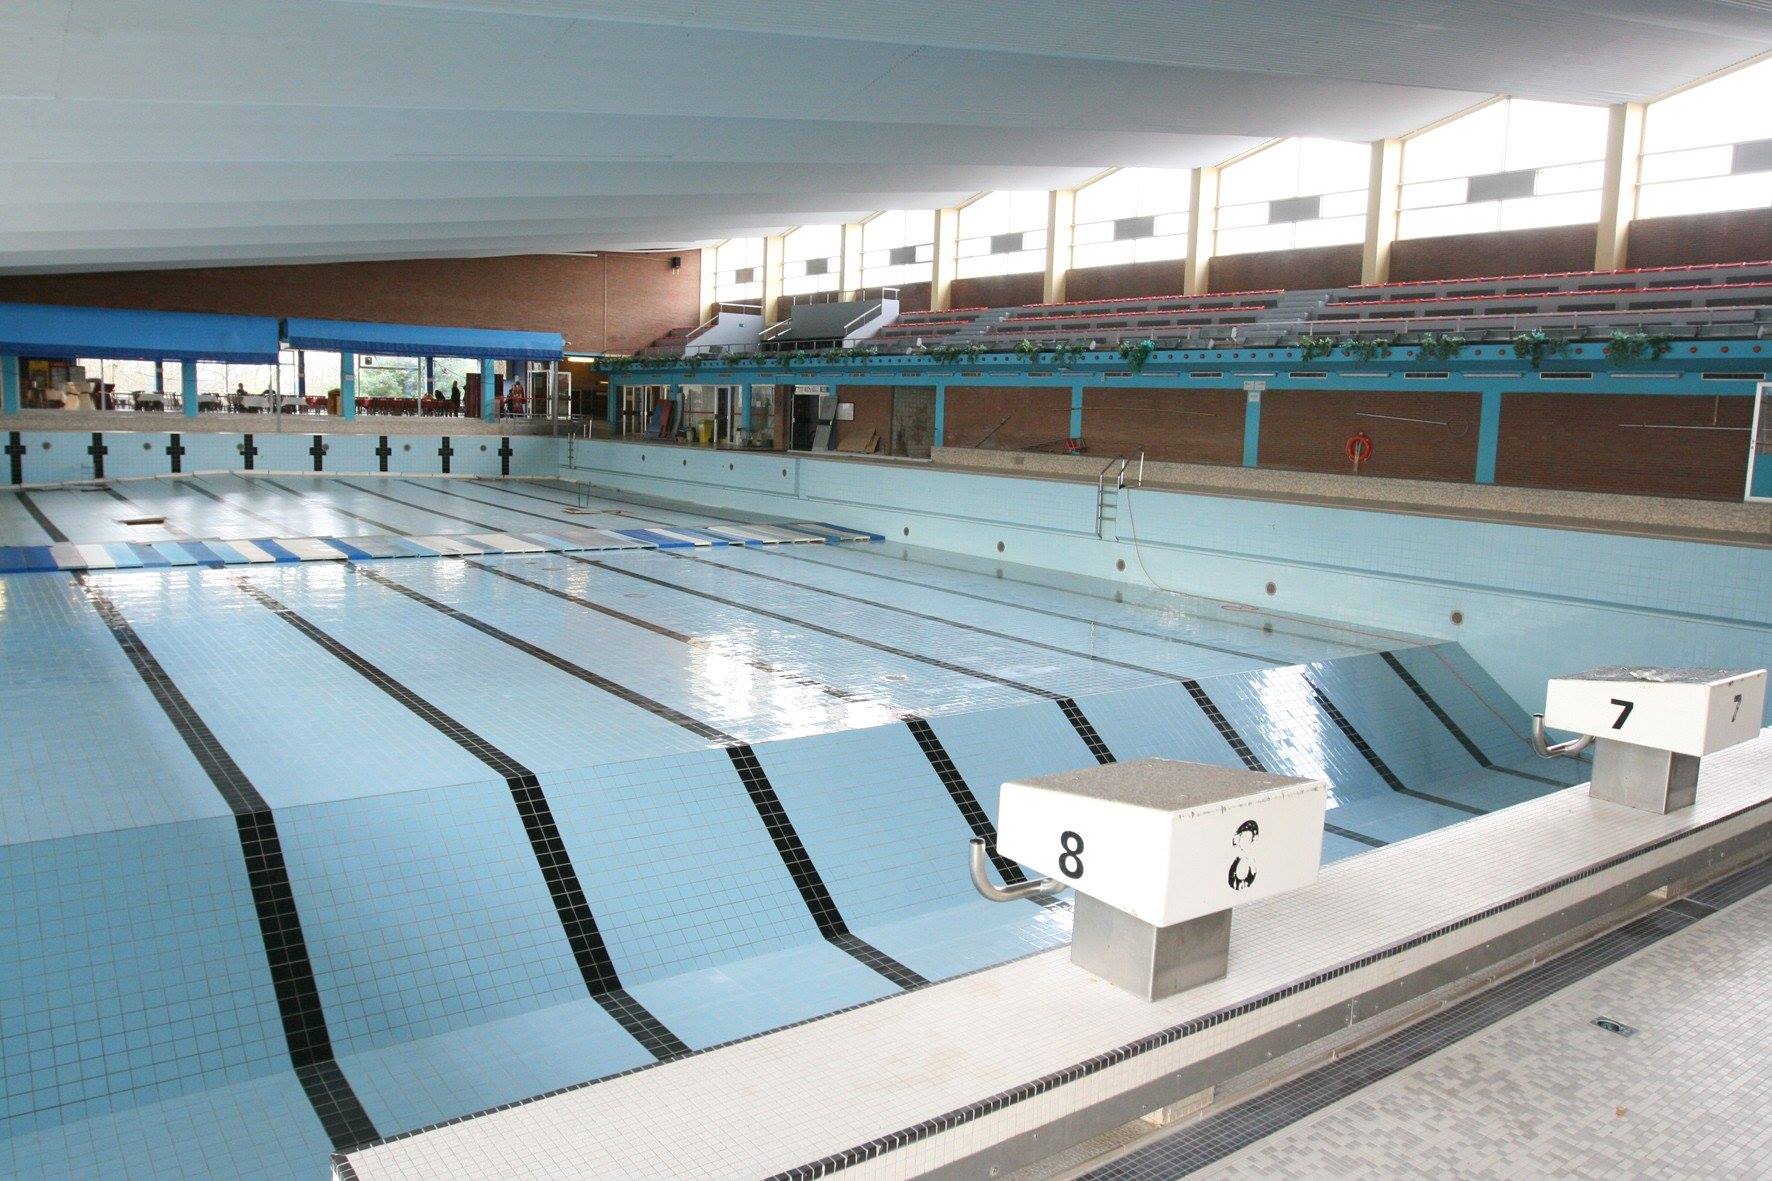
1359	447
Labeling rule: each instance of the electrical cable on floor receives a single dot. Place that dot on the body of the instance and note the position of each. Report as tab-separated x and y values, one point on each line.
1138	553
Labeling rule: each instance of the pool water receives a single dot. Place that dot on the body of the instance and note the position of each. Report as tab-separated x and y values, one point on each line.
297	855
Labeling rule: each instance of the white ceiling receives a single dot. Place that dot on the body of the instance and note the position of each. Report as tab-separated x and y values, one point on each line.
186	132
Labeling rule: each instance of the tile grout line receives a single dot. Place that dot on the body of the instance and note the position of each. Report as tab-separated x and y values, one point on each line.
1255	1119
958	1117
590	952
1457	731
342	1115
756	783
1377	762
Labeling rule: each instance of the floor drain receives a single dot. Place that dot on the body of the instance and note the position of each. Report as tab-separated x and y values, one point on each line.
144	521
1611	1026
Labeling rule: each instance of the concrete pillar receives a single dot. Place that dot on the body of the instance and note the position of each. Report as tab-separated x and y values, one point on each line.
301	376
1382	196
947	246
1077	410
347	385
1061	225
1618	191
1202	230
9	385
941	415
1488	435
709	302
430	377
188	387
849	262
488	389
774	259
1252	428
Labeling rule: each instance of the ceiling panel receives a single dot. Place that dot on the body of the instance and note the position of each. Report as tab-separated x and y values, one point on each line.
183	132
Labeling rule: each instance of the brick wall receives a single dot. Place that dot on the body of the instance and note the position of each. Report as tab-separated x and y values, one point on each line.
997	291
1128	281
1508	252
611	302
1038	417
1657	445
1742	235
1414	436
873	412
1190	426
1320	266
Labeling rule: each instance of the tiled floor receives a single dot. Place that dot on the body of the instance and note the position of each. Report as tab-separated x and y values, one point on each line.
1544	1091
544	817
937	1076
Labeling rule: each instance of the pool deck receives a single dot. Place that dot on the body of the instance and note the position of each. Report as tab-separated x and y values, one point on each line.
1527	1079
991	1071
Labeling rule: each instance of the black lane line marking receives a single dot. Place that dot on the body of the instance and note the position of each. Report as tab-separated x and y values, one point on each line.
756	783
504	455
668	633
752	608
806	877
1089	1067
15	452
383	451
39	516
619	512
1163	674
248	450
1453	728
98	451
341	1113
488	504
609	497
1072	714
1378	764
138	510
970	808
570	903
1253	762
231	503
491	486
444	452
318	451
329	506
939	761
421	508
1270	661
1218	1135
176	451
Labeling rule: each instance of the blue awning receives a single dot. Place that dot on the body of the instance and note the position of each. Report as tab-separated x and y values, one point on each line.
49	330
419	340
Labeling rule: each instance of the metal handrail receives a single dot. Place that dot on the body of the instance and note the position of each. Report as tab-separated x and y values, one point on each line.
981	880
876	309
1545	749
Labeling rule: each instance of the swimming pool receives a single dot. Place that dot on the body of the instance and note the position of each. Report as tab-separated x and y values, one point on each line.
301	853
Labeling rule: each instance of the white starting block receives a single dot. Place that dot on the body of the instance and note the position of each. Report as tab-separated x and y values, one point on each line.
1159	851
1651	726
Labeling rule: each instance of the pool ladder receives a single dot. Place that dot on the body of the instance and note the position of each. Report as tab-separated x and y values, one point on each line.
1107	497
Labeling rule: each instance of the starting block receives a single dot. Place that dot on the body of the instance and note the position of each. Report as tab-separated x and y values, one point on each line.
1159	852
1651	726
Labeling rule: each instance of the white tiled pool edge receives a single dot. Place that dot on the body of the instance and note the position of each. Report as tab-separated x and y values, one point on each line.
1012	1063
